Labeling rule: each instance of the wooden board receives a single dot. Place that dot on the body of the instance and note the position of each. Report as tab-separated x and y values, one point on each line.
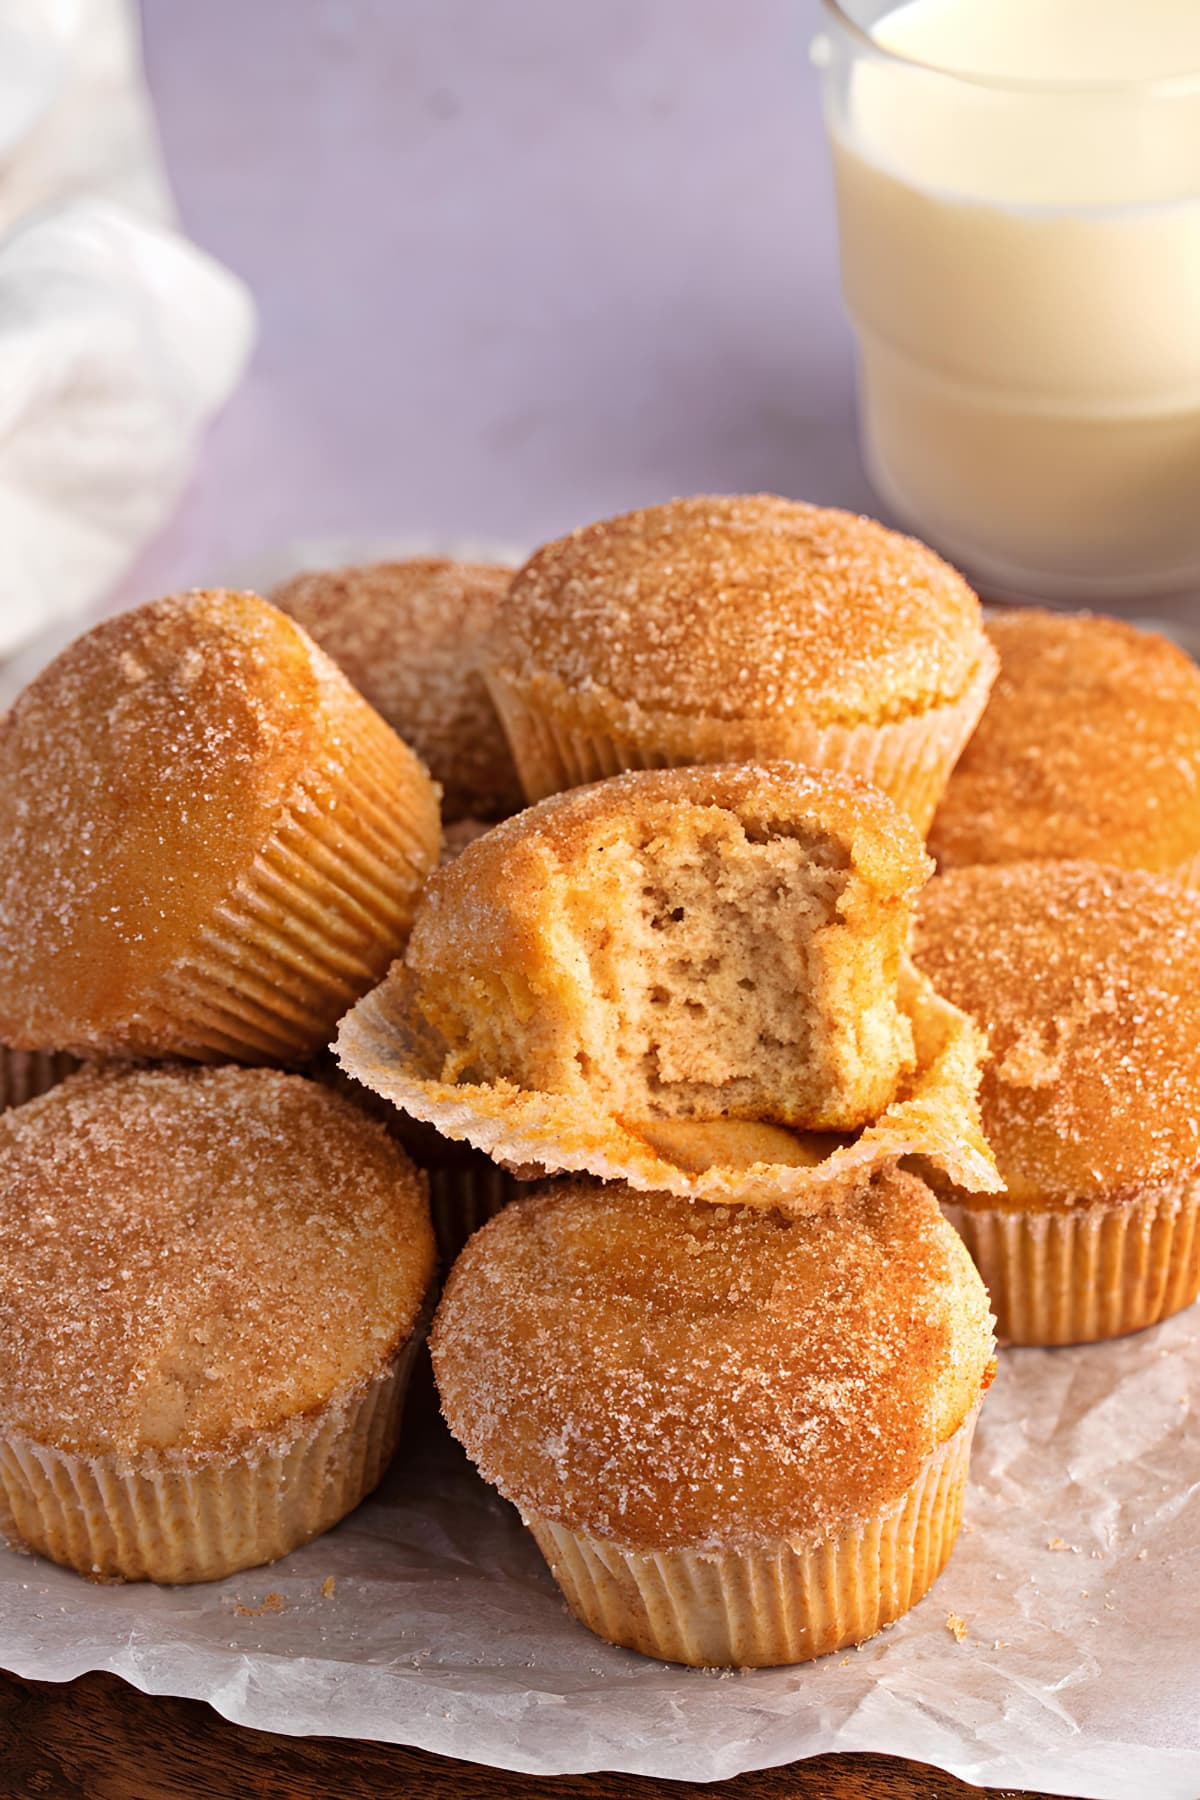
98	1739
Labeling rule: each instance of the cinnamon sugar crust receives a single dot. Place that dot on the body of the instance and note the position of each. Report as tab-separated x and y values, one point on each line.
193	1261
667	1375
738	607
1084	979
1089	748
408	635
151	772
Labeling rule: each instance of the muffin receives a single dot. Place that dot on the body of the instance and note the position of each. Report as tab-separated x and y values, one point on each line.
1085	981
24	1074
211	1282
599	981
408	635
740	628
210	845
750	1445
1089	750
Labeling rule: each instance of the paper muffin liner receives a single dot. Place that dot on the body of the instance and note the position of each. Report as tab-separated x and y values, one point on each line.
384	1043
166	1521
462	1197
24	1074
1073	1275
770	1603
563	738
318	916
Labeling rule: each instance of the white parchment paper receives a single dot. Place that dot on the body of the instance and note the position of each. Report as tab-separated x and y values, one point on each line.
1077	1579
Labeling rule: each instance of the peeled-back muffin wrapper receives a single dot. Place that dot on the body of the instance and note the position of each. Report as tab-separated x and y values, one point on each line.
563	738
769	1603
1076	1274
168	1519
384	1043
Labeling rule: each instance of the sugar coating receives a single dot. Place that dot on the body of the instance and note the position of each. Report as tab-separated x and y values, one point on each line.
1085	980
673	1375
192	1260
708	943
1089	748
744	607
408	636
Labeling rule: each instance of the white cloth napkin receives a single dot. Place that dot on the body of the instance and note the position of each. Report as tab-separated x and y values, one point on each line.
118	339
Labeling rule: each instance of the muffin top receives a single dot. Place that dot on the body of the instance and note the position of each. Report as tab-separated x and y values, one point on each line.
485	903
702	942
407	635
1085	981
140	776
192	1258
667	1374
1089	748
744	607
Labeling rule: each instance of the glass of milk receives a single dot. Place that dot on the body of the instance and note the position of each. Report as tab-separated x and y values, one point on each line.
1018	187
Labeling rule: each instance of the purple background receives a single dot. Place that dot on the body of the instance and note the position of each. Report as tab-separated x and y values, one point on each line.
519	263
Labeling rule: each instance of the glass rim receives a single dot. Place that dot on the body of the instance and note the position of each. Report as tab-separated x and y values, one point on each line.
1163	86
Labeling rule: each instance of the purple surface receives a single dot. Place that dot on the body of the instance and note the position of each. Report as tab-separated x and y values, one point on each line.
519	263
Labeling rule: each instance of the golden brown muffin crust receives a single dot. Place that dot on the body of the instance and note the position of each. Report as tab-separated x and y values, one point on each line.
744	607
140	776
1089	748
671	1375
408	634
1085	980
192	1258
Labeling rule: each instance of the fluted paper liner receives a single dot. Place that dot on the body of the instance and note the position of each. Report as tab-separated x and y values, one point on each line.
387	1046
770	1603
168	1520
462	1197
24	1074
563	738
315	920
1073	1275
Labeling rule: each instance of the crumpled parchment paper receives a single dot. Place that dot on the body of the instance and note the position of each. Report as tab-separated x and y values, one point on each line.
428	1618
1076	1579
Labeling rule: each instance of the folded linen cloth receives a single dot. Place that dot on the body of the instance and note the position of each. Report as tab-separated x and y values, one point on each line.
118	338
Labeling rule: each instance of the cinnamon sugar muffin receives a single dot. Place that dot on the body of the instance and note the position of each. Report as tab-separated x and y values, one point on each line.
1085	981
211	1282
750	1445
209	843
1089	749
408	635
594	980
740	628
